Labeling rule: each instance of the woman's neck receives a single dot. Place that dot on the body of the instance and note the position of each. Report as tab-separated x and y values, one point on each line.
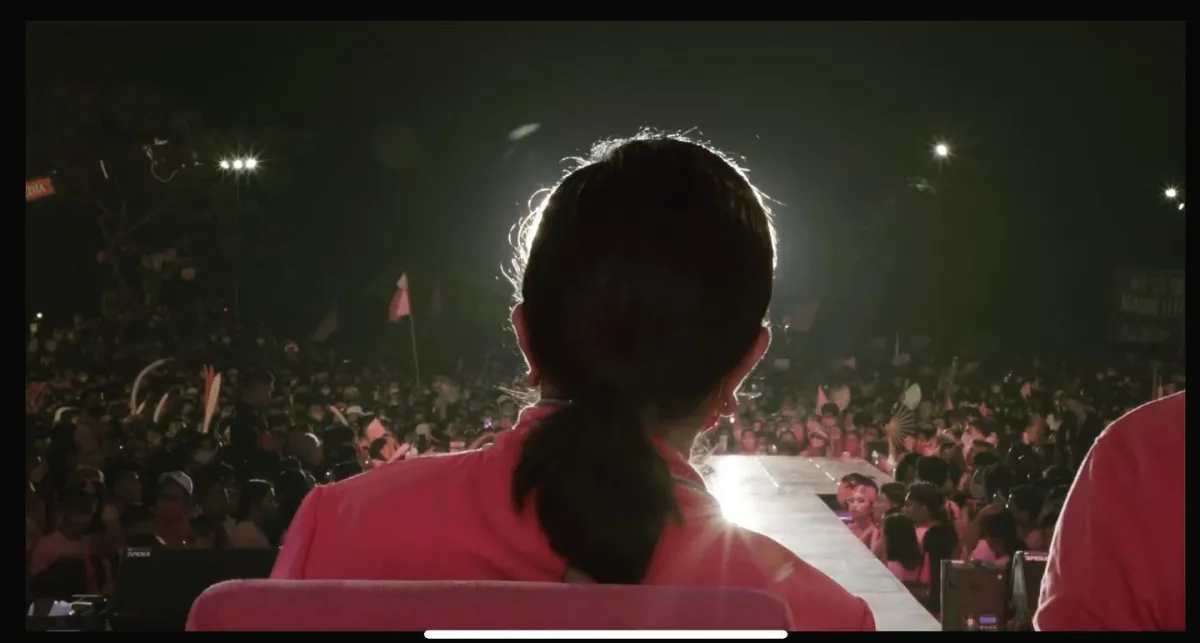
864	522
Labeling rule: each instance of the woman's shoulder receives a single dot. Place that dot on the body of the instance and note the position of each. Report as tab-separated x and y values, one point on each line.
719	552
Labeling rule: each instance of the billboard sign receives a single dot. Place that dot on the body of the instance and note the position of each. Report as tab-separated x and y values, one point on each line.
1149	306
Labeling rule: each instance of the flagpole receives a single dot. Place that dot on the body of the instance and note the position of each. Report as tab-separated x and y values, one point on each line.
412	331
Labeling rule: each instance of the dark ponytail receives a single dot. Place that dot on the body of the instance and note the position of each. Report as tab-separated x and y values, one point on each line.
602	492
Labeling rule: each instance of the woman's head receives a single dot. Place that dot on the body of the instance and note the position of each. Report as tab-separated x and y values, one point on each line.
1000	531
644	279
257	500
925	504
890	500
900	541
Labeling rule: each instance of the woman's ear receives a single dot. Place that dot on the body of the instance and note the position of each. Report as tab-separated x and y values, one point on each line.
727	397
534	378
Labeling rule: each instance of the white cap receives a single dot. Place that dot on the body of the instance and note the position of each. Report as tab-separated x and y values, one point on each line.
178	477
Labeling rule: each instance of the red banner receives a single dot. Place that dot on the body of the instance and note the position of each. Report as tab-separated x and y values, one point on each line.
38	188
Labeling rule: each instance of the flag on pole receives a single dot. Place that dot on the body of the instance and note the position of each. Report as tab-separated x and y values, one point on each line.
400	306
328	326
822	399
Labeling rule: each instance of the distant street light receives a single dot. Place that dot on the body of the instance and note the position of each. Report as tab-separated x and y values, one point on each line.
941	155
237	165
1171	193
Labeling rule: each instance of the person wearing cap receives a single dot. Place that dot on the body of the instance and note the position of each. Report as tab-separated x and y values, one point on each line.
173	510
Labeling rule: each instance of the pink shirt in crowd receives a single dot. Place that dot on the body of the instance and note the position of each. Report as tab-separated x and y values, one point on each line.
451	517
905	575
1117	559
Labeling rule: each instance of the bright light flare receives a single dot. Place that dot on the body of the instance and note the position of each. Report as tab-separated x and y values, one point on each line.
941	151
726	486
1171	193
1181	207
247	163
37	316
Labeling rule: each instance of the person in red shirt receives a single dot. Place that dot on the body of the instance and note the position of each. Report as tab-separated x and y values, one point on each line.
645	280
1117	557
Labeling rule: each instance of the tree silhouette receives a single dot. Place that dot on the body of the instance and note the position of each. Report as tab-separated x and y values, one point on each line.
144	173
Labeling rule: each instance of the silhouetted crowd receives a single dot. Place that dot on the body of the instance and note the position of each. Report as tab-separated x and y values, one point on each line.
178	434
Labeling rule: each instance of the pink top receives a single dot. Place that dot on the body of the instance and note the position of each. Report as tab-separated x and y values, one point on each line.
905	575
451	517
1117	557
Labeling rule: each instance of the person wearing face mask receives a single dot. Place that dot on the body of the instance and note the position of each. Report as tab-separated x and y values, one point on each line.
173	509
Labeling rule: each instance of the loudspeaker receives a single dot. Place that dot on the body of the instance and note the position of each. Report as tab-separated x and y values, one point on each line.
69	576
974	597
1027	570
156	588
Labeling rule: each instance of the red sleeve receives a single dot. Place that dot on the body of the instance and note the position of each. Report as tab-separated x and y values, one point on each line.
1095	568
868	618
293	556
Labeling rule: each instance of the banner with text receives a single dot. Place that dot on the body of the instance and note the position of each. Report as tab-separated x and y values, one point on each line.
1149	306
38	188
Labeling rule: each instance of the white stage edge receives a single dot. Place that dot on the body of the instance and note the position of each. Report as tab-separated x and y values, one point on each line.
778	496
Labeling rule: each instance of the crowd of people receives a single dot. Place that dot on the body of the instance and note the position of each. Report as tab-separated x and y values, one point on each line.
190	439
979	470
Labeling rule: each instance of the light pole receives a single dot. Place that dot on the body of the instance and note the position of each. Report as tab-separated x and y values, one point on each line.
238	166
942	153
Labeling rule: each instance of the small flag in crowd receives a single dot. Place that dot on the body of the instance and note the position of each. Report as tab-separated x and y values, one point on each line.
400	306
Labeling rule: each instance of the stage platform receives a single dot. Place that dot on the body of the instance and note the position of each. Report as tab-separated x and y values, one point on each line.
779	497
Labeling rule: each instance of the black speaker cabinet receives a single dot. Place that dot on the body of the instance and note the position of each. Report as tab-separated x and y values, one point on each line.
974	597
156	589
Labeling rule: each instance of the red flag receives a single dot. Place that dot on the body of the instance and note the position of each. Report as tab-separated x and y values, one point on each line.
822	400
400	306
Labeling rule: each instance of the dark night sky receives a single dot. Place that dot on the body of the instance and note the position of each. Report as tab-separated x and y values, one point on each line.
1065	134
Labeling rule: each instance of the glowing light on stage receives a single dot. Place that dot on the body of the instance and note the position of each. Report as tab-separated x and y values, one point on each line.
724	486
